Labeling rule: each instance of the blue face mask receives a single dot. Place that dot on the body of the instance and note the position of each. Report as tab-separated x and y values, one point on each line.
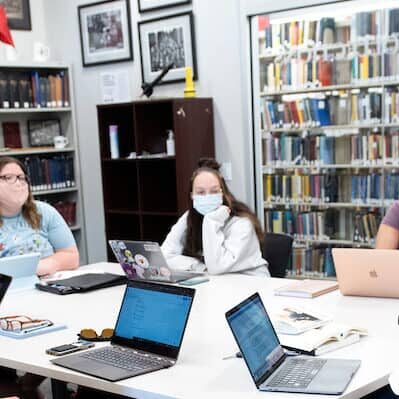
204	204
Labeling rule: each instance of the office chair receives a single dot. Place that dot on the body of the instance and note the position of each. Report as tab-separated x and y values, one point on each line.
277	249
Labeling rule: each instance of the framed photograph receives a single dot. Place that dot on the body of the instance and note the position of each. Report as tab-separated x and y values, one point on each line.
151	5
42	132
18	14
105	32
164	41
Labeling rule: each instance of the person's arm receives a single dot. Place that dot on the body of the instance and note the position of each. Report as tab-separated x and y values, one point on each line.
59	235
173	246
62	259
387	237
388	232
232	251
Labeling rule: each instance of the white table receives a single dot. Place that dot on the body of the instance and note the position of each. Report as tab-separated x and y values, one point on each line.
200	370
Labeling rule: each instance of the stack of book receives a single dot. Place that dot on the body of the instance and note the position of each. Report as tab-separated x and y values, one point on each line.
338	224
47	173
33	89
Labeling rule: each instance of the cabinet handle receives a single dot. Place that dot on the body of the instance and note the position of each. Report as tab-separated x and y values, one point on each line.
181	112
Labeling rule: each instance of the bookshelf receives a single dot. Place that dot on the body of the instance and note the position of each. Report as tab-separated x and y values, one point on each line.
326	126
144	189
41	93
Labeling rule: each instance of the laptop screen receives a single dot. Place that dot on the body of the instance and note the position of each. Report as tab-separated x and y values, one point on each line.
255	336
153	317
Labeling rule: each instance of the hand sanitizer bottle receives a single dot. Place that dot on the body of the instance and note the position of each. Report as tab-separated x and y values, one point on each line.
170	144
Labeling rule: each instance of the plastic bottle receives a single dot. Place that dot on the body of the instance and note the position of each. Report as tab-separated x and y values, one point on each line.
113	141
170	143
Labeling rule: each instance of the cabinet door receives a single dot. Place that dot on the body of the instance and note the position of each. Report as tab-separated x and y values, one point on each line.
193	128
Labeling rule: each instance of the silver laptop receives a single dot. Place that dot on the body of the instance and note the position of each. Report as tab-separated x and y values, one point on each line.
271	368
22	268
144	260
147	336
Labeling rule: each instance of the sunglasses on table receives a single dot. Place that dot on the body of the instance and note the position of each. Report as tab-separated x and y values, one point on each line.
88	334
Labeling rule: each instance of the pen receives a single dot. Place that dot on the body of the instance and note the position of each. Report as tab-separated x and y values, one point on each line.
28	330
237	354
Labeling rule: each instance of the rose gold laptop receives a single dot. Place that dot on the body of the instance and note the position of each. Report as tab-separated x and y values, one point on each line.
367	272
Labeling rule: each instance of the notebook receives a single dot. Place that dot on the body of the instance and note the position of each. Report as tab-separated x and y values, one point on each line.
144	260
22	269
147	337
270	368
367	272
306	288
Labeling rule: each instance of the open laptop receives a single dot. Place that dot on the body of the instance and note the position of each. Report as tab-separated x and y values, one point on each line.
22	268
147	335
144	260
5	282
367	272
271	368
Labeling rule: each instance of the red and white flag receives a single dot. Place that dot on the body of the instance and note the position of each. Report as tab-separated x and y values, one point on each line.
5	34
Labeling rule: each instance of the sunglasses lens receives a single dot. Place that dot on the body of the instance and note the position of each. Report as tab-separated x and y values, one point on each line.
88	333
107	333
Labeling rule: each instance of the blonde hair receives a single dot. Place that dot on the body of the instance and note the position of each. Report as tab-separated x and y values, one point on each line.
29	208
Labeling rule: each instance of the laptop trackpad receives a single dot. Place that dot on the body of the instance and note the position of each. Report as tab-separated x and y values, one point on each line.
334	377
95	368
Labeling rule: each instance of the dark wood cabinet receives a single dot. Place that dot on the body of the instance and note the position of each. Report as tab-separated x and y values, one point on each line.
146	193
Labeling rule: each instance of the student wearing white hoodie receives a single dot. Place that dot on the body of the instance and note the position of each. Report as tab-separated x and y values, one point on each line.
217	234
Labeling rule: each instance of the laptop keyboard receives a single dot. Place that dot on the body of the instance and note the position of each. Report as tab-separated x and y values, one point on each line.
127	359
297	373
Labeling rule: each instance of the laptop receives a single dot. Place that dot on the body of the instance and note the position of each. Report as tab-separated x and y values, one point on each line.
147	335
144	260
22	269
367	272
5	282
271	368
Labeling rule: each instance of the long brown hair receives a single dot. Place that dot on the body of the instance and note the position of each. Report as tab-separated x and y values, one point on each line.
193	244
29	209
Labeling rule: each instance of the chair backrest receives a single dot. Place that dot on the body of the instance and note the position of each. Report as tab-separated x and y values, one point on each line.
277	249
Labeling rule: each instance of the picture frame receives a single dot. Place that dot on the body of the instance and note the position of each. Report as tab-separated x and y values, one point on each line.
42	132
105	32
152	5
165	40
18	14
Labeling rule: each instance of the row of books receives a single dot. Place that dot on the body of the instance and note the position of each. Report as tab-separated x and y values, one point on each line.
293	111
311	262
291	72
341	224
67	209
318	189
329	30
34	89
47	173
356	149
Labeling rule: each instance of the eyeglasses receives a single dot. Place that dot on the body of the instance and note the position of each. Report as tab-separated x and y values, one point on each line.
12	179
18	323
89	334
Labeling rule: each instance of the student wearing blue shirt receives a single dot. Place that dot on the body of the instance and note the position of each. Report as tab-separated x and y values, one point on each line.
29	226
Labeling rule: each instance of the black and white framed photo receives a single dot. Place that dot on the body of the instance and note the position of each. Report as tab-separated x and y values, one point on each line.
151	5
105	32
42	132
18	14
165	41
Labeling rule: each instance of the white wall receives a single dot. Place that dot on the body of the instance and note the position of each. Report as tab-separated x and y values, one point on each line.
24	40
